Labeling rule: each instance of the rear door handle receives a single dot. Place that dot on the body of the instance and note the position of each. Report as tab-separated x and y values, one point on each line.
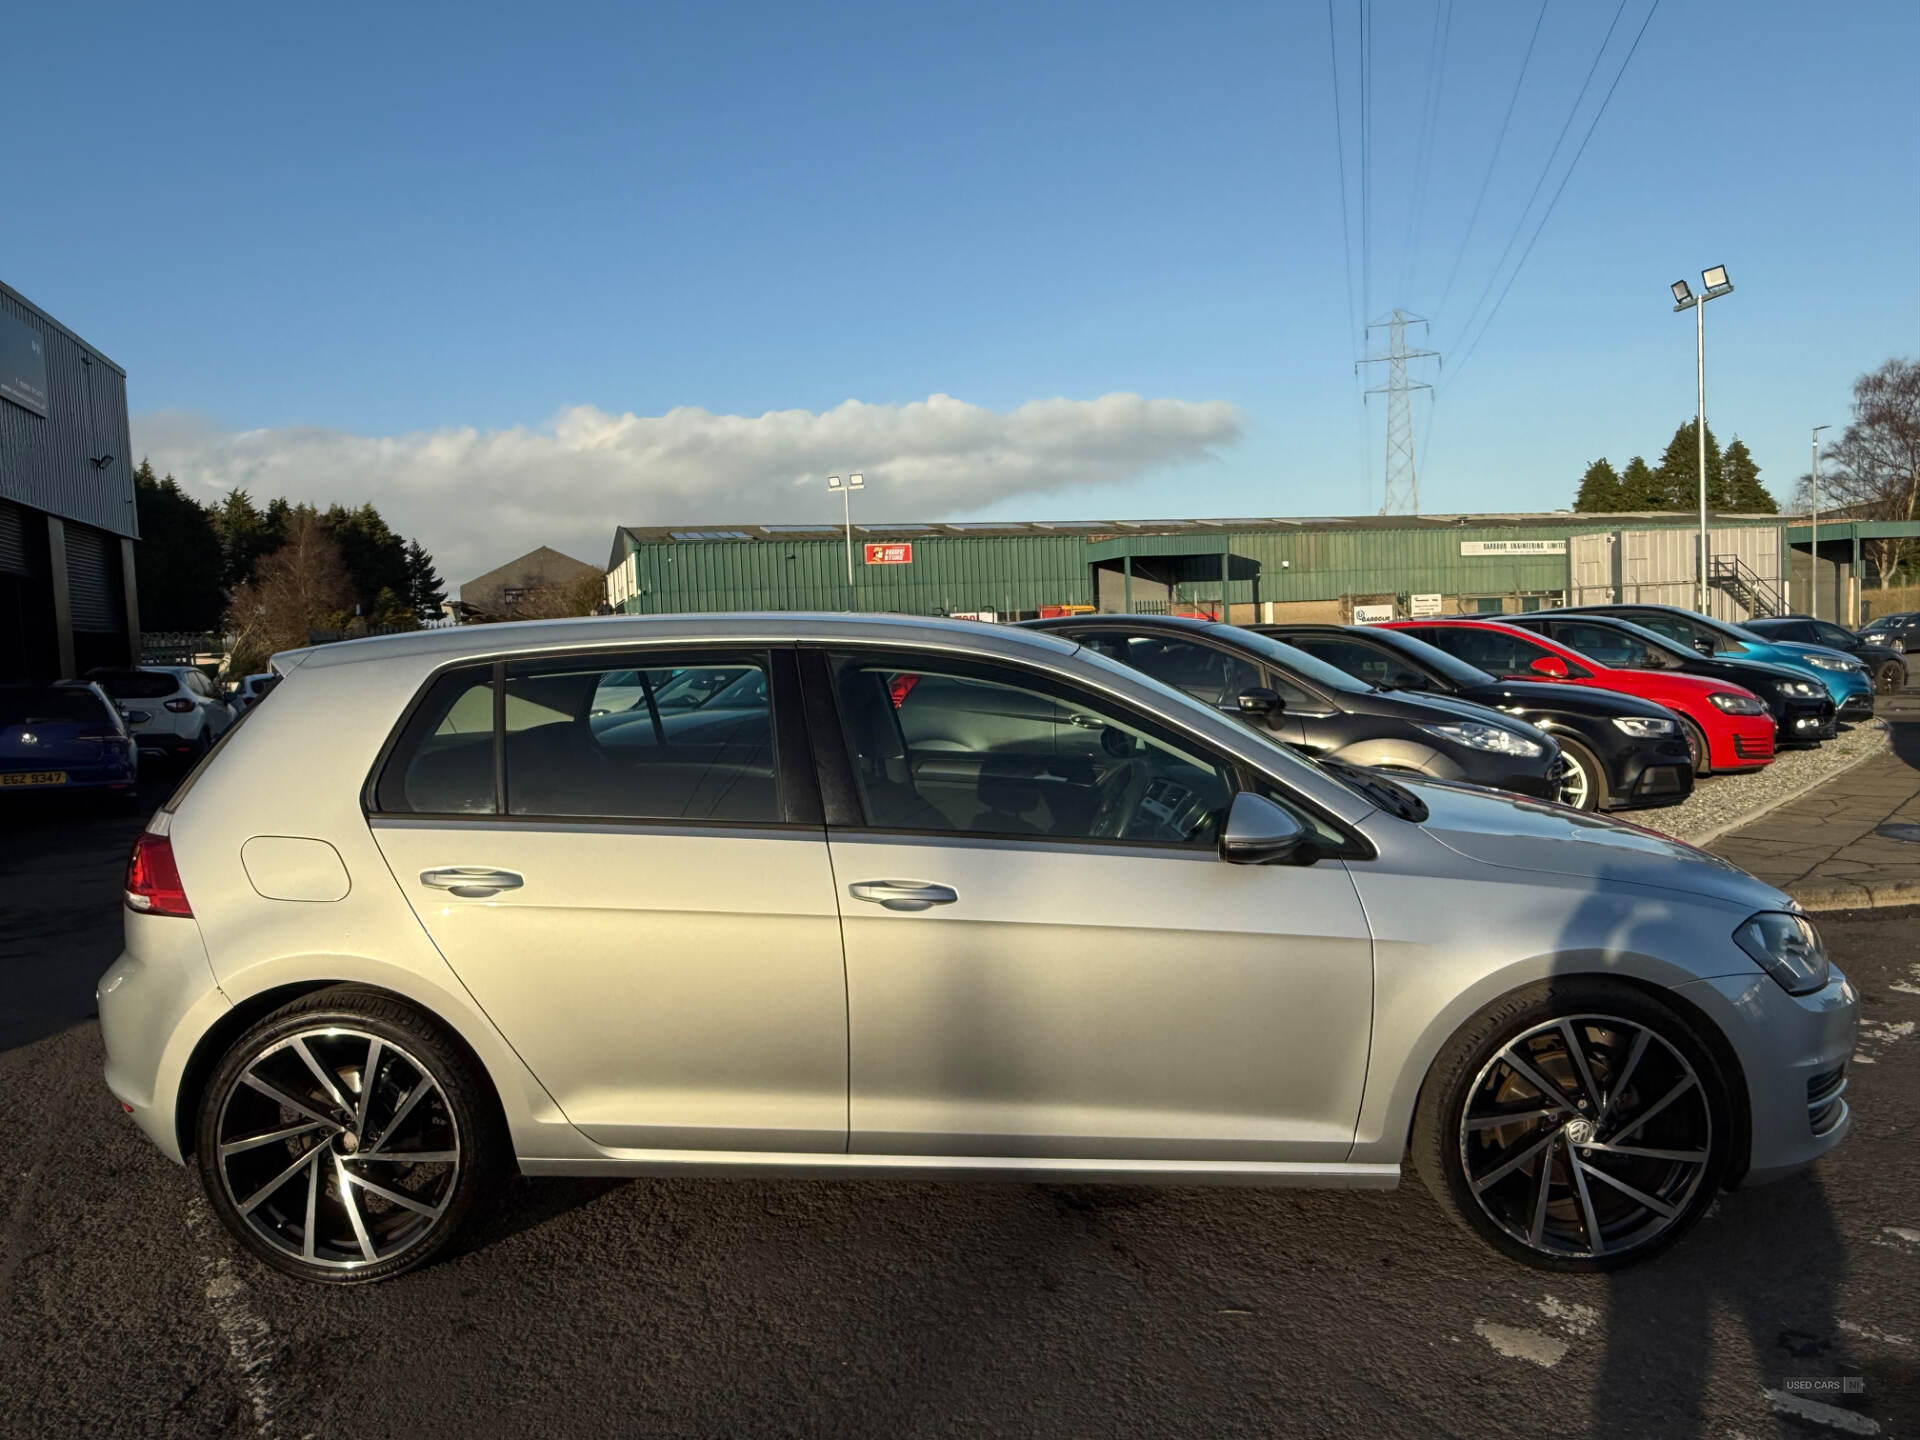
470	882
902	894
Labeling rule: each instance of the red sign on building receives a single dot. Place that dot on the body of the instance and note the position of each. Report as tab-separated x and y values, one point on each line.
897	554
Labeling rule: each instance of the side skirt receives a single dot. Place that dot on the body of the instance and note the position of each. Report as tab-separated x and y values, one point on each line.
765	1164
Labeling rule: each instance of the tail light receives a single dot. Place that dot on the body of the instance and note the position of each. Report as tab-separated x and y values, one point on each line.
100	736
153	880
899	687
179	706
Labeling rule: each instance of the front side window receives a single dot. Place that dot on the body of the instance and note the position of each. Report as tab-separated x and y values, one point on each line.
1498	652
1363	661
1211	676
1610	647
984	751
1826	633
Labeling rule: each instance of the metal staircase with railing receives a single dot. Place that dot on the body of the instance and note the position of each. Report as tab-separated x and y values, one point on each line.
1733	576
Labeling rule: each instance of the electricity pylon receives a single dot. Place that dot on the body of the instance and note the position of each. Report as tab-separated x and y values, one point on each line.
1402	493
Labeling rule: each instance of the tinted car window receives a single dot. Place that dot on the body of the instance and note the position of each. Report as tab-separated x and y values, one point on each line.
1823	632
699	750
34	704
1365	662
443	762
1498	652
986	752
1209	675
134	684
1606	645
1685	632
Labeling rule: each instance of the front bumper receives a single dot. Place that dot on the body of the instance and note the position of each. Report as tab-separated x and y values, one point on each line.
1793	1050
1655	773
1857	707
1804	722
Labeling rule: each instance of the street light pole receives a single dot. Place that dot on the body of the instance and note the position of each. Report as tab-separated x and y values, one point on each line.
853	483
1716	283
1813	571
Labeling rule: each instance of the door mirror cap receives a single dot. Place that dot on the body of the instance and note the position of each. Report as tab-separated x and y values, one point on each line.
1259	703
1260	832
1549	665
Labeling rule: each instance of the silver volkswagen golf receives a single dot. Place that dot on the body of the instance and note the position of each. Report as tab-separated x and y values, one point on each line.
886	897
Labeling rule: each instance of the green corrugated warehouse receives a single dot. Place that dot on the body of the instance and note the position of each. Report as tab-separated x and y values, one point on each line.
1257	568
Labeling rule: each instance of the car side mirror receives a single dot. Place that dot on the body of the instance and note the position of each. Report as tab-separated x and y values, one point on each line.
1705	647
1259	832
1259	703
1551	666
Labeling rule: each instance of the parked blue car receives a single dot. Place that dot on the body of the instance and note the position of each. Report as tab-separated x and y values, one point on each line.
1848	681
64	738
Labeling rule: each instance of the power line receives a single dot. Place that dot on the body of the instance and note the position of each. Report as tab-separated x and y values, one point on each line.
1558	191
1487	179
1429	123
1546	169
1366	160
1340	151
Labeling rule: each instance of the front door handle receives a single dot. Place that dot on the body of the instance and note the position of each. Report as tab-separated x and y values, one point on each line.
470	882
902	894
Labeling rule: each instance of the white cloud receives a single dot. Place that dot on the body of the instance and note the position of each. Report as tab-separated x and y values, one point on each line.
477	498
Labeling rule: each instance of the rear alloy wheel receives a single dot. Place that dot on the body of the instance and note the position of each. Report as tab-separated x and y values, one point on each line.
344	1138
1578	1126
1890	678
1584	786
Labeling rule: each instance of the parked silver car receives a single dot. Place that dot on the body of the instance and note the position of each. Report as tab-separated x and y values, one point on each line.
931	899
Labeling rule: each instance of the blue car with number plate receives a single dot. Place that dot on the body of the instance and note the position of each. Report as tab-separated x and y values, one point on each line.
65	737
1849	682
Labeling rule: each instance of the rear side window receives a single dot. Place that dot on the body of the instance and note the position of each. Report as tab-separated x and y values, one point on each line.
443	763
1497	652
135	684
665	742
1363	661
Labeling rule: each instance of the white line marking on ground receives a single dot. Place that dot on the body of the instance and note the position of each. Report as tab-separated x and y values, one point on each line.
1851	1421
249	1338
1520	1344
1874	1333
1904	988
1909	1238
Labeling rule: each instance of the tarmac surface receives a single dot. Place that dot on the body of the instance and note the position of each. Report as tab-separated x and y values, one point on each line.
739	1308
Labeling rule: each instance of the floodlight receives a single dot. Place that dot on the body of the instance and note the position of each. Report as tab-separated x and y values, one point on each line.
1714	279
833	482
1681	293
855	482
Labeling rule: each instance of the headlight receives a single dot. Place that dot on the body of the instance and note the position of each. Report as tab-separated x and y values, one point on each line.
1644	727
1478	735
1739	704
1834	662
1802	689
1788	948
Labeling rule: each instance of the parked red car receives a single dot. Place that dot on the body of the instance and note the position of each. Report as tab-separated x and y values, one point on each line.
1728	728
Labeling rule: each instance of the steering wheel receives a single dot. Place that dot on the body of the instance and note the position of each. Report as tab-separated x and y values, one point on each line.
1120	794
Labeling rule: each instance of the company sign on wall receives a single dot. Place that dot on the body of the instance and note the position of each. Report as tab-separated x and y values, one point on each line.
894	554
1513	547
1372	614
23	364
1421	606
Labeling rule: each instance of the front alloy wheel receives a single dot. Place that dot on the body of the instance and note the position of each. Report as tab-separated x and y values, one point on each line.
338	1145
1576	1137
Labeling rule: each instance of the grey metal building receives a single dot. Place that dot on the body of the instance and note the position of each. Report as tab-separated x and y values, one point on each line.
67	516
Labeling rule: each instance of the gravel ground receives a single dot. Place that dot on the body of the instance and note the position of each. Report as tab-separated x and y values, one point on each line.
1721	802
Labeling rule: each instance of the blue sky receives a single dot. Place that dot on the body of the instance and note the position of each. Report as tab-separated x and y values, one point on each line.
330	244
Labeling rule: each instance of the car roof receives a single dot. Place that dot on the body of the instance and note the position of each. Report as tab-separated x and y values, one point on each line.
1168	622
775	627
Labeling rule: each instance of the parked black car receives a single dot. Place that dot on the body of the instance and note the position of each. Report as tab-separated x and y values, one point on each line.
1887	662
1899	631
1621	752
1803	712
1322	710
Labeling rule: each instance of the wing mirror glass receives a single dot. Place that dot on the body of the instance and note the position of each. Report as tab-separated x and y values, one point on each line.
1259	832
1259	704
1551	666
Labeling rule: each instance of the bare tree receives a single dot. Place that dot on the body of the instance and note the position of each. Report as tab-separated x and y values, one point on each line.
300	587
1872	472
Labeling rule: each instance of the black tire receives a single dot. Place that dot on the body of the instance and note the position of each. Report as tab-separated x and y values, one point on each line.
1472	1074
1597	796
1697	744
1890	678
455	1115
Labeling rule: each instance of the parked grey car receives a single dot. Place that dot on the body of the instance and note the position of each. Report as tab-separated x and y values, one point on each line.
921	899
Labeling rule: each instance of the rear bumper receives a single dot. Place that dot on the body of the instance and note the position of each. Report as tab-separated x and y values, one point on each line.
91	777
155	1002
